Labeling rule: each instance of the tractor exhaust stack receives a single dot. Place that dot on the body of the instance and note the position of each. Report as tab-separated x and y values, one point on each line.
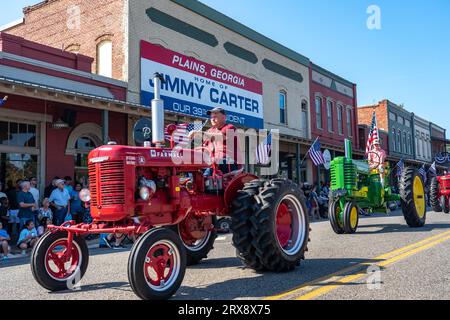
158	138
348	149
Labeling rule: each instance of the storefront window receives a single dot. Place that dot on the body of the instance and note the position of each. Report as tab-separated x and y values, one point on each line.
17	134
17	166
339	119
349	122
283	107
319	112
330	116
83	146
305	118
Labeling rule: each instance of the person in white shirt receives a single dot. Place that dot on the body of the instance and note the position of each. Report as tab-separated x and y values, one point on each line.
35	192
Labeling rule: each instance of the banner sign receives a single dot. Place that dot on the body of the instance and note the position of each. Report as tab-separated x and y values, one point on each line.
193	87
442	157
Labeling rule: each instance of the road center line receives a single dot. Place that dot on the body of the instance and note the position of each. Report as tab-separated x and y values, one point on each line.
357	267
327	288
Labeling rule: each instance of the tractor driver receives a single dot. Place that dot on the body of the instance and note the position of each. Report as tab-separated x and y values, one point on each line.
215	140
377	157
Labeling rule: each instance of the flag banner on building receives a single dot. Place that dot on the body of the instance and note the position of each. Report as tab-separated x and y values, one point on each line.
181	134
263	152
400	167
373	134
423	173
315	154
193	87
432	169
3	101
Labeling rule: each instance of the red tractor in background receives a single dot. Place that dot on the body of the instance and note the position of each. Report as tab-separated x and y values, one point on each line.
173	208
440	193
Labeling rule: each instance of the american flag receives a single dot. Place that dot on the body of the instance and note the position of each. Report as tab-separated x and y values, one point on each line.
263	152
181	134
3	101
423	173
400	167
432	169
315	154
373	134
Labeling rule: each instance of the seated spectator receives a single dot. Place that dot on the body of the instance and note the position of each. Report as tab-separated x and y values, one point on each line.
5	249
45	211
43	227
28	237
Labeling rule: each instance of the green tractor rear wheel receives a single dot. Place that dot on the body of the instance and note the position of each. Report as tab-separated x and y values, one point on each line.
334	212
351	217
412	193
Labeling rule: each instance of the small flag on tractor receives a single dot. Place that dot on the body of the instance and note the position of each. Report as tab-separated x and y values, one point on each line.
3	101
423	173
373	134
400	167
181	134
263	152
315	154
433	170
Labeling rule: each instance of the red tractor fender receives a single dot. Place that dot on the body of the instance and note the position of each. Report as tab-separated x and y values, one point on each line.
235	185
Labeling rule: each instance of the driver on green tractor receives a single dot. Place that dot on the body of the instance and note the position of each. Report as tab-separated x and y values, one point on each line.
376	159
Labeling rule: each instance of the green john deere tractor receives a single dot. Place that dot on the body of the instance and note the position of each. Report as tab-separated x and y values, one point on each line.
357	185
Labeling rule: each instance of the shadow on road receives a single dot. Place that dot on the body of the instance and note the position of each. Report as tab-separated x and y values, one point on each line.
263	284
122	286
394	228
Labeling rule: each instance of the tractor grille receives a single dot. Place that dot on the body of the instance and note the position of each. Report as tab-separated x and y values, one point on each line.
107	183
349	175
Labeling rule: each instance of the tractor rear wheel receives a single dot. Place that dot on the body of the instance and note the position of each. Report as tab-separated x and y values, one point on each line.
412	193
280	226
56	267
435	198
243	209
197	246
334	213
157	265
351	217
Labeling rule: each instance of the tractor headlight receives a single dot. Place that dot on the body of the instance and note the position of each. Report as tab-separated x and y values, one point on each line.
144	193
85	195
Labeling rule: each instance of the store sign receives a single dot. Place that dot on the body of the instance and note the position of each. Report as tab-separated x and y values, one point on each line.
327	159
193	87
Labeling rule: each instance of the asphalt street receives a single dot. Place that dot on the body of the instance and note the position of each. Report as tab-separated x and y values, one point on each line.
385	259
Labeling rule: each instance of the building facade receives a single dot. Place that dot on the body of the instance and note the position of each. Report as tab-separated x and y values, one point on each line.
122	38
56	113
422	140
395	120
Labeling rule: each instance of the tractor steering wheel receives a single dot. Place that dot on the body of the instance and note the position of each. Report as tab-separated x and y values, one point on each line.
374	164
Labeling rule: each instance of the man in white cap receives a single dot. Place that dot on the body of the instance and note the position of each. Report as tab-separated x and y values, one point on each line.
60	200
377	157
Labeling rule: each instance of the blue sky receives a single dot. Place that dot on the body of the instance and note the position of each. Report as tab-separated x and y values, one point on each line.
407	61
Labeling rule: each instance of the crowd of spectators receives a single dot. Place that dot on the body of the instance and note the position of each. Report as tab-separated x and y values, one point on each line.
25	214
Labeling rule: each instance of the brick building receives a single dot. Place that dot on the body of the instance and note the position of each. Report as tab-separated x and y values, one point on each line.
122	36
334	113
56	113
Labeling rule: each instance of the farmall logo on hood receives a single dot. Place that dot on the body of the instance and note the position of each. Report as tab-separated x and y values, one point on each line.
165	154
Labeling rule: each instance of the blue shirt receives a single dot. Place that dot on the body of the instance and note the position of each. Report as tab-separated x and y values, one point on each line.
4	234
60	198
25	233
76	206
25	197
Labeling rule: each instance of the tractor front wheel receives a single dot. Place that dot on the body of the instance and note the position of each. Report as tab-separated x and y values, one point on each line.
412	193
280	225
351	217
57	267
198	243
334	213
435	198
157	265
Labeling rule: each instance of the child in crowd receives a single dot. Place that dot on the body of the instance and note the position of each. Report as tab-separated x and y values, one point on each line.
28	237
43	227
45	211
4	243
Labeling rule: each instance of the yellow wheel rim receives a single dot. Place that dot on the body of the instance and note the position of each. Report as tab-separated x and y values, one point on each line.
419	196
354	217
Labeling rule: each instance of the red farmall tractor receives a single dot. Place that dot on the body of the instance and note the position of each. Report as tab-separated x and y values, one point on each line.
172	208
440	193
